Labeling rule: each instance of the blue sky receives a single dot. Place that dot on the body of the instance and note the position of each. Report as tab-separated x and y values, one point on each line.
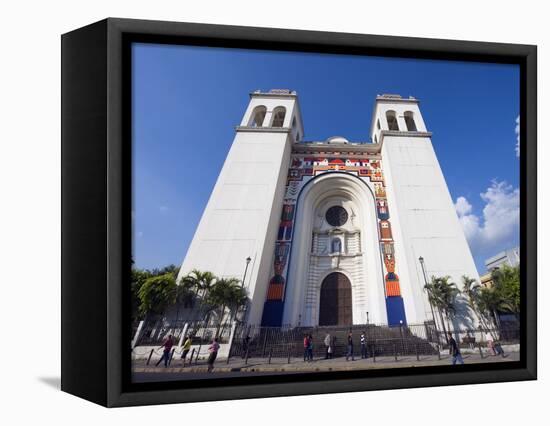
187	101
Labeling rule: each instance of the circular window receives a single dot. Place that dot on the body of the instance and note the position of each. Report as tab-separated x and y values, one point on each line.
337	216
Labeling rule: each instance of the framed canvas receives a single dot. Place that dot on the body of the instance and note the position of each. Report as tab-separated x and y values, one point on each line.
256	212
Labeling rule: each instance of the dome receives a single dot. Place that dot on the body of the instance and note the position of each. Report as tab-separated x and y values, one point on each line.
337	140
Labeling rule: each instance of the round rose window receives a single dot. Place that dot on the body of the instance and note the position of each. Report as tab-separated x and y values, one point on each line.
337	216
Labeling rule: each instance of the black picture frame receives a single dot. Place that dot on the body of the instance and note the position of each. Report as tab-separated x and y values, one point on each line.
96	200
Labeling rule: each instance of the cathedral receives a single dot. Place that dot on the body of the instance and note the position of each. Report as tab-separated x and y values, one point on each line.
332	232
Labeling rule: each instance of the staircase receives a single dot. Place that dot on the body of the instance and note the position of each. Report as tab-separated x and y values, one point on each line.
381	341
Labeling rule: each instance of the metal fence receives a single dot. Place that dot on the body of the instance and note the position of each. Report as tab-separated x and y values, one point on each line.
253	341
154	332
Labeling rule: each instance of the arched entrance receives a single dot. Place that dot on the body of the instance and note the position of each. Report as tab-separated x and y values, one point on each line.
335	307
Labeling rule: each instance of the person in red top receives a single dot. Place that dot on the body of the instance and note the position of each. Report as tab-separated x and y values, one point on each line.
167	345
306	347
213	349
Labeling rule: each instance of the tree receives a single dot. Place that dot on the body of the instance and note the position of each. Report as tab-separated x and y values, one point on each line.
200	281
489	303
226	293
472	289
138	277
442	294
506	282
157	293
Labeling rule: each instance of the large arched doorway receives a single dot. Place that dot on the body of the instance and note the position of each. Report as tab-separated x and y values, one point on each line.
335	307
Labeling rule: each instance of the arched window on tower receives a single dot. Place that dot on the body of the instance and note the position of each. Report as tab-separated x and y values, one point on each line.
409	121
392	120
278	117
258	116
336	245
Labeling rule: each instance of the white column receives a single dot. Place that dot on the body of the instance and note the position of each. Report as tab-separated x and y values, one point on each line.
183	333
138	334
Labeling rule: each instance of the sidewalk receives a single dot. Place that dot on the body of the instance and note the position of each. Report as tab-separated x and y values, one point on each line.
278	365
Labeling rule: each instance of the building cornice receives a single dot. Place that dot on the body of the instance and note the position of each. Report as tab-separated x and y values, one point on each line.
291	95
389	100
317	147
262	129
399	133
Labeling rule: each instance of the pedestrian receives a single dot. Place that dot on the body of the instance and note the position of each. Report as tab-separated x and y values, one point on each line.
454	350
350	348
186	348
364	354
310	348
306	346
499	350
213	351
327	342
167	345
246	343
490	343
331	348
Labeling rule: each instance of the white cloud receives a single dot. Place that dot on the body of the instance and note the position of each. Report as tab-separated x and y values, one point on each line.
463	207
517	136
498	227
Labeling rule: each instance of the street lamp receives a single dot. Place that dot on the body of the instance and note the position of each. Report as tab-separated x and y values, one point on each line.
248	259
401	334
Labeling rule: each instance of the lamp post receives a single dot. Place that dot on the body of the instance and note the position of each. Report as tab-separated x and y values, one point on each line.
421	260
401	334
248	259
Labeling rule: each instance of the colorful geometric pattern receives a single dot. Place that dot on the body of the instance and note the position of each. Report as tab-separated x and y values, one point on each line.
303	168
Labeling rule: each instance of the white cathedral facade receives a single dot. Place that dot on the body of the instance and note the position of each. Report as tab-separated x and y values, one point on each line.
333	230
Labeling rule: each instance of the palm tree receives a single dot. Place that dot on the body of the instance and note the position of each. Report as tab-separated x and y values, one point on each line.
472	289
222	295
449	293
436	300
226	293
490	302
442	294
506	281
185	295
200	283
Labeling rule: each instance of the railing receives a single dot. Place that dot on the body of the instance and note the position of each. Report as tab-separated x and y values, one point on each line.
154	332
252	341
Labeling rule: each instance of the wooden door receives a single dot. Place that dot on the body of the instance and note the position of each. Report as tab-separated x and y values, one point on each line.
335	306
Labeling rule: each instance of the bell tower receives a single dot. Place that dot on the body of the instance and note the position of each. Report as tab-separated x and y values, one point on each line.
240	220
423	218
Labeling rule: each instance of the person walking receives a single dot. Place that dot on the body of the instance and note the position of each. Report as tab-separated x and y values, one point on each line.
213	351
327	343
364	354
185	349
310	348
497	348
490	343
454	350
167	345
246	345
350	348
306	346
